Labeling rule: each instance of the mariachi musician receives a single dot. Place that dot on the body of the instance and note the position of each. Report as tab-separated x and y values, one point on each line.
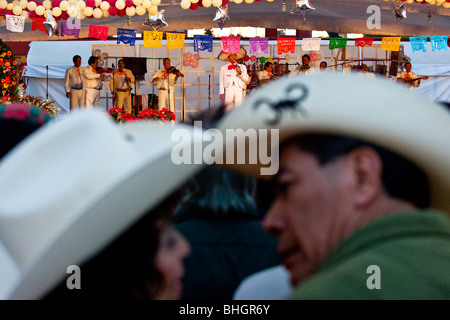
267	74
120	86
410	78
305	67
166	79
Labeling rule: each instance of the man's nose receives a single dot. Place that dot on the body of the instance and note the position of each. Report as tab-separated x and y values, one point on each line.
274	220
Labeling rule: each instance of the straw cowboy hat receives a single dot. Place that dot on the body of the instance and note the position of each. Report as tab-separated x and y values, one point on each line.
72	187
375	110
223	56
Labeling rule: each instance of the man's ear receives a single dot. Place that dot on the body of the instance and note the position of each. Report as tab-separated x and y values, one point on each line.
366	169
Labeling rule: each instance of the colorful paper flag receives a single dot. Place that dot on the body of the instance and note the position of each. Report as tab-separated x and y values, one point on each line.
259	45
286	45
175	40
126	36
38	24
439	42
231	44
311	44
98	32
70	27
203	43
153	39
418	43
362	42
337	43
15	23
390	43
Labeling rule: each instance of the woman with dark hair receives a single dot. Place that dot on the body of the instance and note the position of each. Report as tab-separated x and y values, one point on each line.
145	263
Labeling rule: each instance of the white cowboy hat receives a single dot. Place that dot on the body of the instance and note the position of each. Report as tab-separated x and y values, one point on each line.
223	56
376	110
72	187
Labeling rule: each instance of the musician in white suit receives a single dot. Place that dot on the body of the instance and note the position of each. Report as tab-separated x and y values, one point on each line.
233	78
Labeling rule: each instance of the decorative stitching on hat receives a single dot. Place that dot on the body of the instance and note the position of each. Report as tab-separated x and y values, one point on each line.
288	102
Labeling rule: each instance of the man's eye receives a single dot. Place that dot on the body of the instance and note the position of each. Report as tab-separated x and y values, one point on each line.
281	187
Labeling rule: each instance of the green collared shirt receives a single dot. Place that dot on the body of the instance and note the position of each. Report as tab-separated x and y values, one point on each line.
406	255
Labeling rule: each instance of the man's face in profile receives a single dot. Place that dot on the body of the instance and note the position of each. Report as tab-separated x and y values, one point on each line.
311	210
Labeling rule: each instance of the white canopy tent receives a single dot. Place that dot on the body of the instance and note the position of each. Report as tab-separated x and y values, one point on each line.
330	15
48	60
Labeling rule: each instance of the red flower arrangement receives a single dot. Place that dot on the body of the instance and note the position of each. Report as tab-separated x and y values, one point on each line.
148	114
8	72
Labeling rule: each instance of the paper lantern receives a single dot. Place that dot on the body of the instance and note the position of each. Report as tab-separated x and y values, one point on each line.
15	3
23	4
207	3
17	10
146	4
121	13
248	1
56	11
40	10
156	2
98	2
64	15
88	11
106	13
47	4
73	2
153	10
32	14
193	6
104	5
56	3
25	14
90	3
98	13
140	11
64	5
120	4
129	3
130	11
3	4
216	3
239	1
113	10
137	2
185	4
10	6
73	11
81	5
31	6
194	1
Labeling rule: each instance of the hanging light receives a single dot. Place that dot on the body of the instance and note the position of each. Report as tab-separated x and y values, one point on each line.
283	7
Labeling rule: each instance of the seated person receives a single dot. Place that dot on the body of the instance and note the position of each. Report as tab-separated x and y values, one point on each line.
267	74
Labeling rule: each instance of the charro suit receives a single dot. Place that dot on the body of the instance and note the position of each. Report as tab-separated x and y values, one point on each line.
122	87
231	84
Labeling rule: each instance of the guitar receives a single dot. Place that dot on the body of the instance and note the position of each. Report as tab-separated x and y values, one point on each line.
408	81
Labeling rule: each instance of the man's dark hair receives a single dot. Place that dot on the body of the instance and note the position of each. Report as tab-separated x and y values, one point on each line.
306	55
267	64
400	178
92	59
75	57
408	63
324	62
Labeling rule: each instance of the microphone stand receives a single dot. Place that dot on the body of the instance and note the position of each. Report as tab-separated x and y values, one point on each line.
209	92
47	84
